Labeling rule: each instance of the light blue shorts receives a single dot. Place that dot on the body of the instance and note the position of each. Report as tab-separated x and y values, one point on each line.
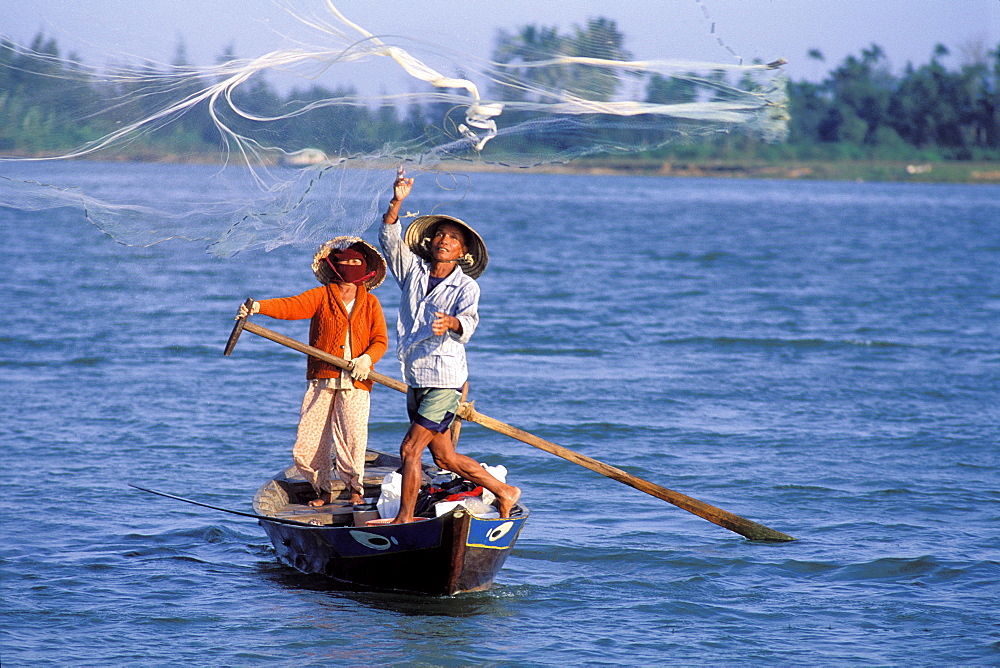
432	407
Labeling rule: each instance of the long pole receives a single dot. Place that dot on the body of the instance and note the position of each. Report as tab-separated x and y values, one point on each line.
723	518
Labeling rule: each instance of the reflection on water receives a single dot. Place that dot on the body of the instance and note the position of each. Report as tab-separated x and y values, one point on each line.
496	602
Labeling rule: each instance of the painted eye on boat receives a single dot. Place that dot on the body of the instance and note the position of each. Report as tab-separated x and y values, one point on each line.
372	540
499	532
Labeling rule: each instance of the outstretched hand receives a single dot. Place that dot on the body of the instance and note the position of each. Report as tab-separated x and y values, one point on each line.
402	186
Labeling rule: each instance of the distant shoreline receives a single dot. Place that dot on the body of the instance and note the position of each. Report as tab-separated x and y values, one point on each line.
937	172
945	171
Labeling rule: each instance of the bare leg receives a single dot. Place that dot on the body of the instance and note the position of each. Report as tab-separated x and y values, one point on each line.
445	456
410	450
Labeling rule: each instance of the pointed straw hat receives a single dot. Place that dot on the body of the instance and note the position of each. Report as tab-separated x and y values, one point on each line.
421	231
373	260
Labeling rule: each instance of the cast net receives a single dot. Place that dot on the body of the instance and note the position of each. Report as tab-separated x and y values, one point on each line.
315	161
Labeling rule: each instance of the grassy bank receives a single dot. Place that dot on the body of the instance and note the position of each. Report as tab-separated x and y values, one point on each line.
830	170
938	171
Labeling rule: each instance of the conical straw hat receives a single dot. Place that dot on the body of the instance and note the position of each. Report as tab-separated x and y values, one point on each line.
373	259
420	231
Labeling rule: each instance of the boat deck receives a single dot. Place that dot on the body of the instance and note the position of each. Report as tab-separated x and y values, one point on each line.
287	495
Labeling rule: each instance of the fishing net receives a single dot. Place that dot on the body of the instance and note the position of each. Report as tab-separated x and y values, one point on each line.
315	162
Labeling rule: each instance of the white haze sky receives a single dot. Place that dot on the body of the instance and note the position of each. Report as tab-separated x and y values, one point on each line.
101	31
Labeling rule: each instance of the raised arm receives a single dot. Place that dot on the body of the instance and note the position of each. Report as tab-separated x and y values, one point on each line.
398	256
401	188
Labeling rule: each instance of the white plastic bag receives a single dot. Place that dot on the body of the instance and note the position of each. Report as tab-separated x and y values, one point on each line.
388	500
473	504
500	473
480	506
442	507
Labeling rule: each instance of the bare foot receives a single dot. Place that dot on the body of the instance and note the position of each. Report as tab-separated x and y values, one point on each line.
401	520
507	501
357	499
323	499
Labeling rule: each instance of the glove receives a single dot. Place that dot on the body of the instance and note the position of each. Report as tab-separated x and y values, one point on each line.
361	367
255	308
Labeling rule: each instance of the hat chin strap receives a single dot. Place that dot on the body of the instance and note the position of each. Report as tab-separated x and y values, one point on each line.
341	276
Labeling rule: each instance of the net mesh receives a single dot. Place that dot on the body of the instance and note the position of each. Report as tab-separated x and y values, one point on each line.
303	169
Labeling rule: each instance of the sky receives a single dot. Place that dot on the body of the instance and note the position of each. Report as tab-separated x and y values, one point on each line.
102	31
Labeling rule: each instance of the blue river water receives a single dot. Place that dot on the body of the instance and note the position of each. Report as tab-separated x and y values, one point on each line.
822	358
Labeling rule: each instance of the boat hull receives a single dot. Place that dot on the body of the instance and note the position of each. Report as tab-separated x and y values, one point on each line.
456	552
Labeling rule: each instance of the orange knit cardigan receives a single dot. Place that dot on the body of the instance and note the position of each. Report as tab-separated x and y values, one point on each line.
328	329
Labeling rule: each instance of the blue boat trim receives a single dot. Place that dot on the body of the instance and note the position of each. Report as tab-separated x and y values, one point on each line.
494	534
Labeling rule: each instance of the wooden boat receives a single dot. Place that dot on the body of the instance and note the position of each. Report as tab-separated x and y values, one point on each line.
456	552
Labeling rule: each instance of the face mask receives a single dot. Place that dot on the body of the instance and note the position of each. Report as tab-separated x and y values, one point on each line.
349	273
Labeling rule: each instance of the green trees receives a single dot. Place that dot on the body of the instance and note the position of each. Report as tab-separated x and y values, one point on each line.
953	113
50	103
541	57
39	94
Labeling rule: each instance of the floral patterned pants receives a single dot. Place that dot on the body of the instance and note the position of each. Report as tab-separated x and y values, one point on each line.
338	418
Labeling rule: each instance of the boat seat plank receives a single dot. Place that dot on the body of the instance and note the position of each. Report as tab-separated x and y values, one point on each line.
299	491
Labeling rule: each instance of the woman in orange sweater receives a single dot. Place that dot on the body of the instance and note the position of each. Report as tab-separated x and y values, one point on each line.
346	321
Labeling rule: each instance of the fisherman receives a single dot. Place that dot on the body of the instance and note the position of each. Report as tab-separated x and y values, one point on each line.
436	267
347	321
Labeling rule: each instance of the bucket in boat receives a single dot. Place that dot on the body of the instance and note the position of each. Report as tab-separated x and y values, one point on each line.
364	513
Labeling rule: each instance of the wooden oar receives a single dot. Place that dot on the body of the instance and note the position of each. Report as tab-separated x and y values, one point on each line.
455	430
723	518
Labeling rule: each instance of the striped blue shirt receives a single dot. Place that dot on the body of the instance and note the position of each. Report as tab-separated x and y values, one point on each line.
428	360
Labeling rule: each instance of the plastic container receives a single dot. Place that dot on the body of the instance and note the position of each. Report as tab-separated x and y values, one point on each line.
364	513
